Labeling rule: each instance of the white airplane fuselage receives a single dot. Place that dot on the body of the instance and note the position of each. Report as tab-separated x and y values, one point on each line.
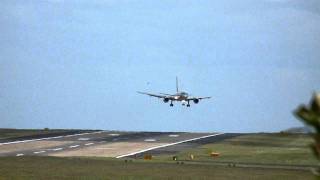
181	96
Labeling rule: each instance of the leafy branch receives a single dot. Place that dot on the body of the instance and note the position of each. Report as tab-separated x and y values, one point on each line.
310	115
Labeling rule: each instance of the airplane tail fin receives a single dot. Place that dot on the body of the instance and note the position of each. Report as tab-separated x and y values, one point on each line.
177	84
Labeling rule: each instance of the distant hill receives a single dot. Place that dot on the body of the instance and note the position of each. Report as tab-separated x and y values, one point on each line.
298	130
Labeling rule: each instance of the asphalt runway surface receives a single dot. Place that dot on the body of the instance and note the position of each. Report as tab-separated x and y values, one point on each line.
107	143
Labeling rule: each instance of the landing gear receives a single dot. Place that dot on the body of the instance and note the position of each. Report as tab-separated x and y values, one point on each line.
188	105
171	104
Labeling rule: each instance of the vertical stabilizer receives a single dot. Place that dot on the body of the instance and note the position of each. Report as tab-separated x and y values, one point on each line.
177	84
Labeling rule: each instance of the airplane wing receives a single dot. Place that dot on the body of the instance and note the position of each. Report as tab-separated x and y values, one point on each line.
153	95
198	98
166	94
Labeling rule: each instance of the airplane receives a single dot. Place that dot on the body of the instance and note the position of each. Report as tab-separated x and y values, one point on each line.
178	96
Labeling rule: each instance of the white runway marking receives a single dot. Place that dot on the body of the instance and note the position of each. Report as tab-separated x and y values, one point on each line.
83	139
38	152
48	138
19	154
173	135
105	148
74	146
114	134
150	140
88	144
57	149
166	145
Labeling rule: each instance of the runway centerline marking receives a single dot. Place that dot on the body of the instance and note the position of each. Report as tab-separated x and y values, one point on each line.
150	140
173	135
74	146
88	144
83	139
19	154
57	149
166	145
104	148
38	152
48	138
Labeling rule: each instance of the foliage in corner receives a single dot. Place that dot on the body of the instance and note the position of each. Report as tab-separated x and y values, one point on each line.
310	115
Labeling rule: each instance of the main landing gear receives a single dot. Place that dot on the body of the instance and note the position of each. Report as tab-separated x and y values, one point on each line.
188	105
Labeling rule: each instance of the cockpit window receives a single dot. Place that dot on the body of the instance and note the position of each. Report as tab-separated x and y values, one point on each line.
184	93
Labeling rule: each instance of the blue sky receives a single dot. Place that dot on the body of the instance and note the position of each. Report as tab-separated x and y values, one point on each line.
78	64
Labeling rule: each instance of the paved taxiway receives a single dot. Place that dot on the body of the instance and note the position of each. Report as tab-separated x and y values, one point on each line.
104	143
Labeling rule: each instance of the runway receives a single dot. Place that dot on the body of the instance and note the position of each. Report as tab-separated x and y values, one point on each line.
106	143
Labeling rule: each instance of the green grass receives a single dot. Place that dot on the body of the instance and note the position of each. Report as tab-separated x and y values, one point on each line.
287	149
106	168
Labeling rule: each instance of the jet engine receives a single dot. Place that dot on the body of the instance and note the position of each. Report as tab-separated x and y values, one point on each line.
165	100
196	101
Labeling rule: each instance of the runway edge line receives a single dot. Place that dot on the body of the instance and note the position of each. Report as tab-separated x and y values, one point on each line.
170	144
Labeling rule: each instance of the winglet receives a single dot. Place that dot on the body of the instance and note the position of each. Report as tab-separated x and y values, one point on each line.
141	92
177	84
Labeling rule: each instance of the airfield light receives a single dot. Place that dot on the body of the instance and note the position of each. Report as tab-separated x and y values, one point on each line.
147	157
214	154
191	156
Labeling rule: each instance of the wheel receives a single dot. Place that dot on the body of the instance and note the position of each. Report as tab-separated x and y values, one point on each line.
171	104
188	105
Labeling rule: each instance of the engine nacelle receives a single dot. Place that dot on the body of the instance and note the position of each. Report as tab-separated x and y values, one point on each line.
196	101
165	100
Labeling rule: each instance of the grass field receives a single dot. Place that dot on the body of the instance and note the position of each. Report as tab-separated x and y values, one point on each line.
286	149
84	168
